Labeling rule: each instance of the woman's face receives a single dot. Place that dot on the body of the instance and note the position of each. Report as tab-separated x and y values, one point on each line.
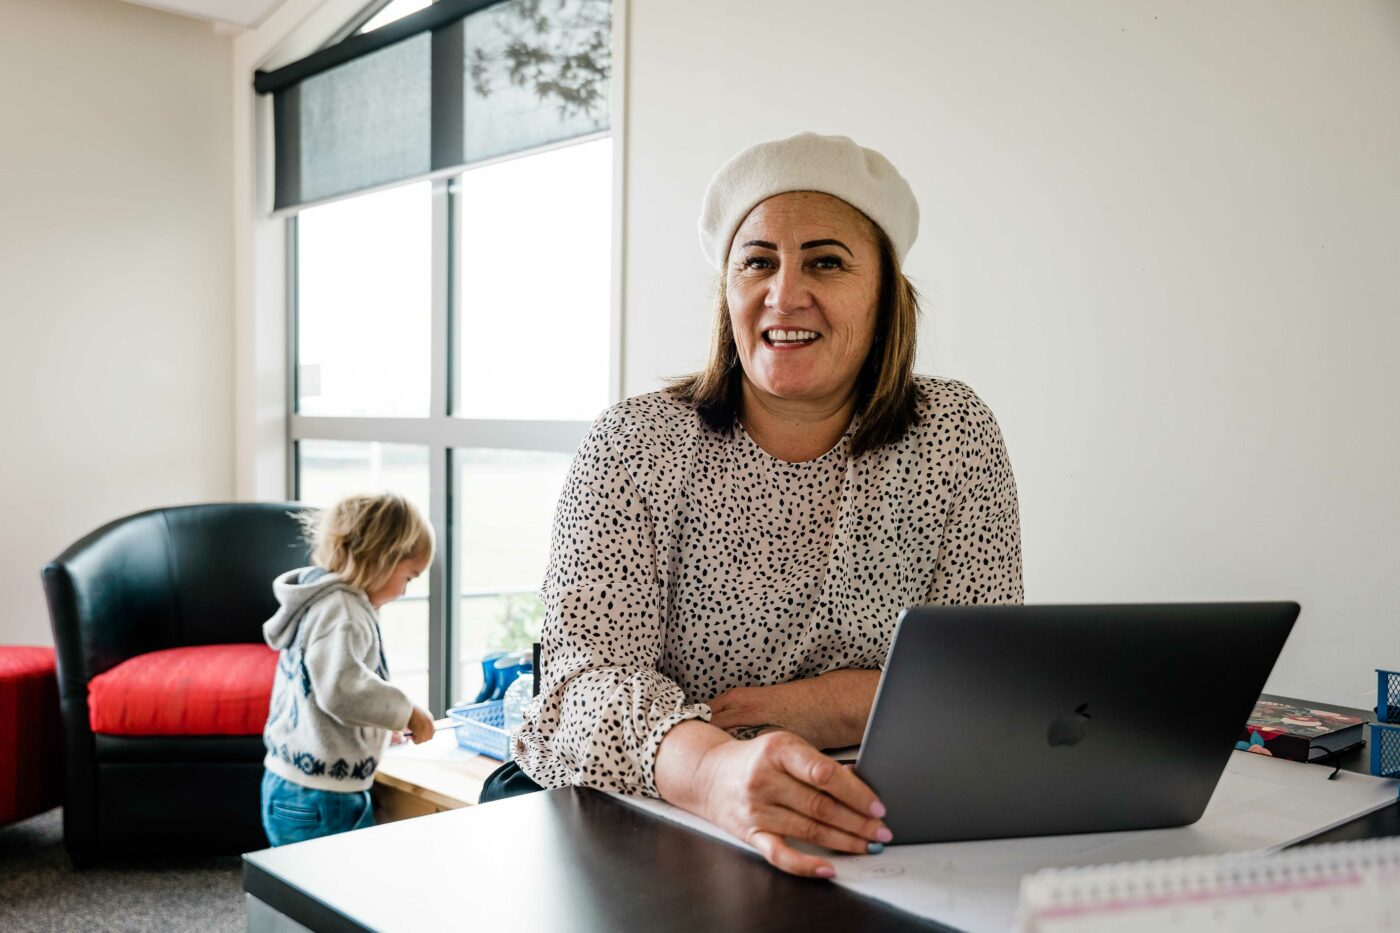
803	281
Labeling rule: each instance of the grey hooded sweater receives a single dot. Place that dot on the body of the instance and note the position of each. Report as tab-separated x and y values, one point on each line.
332	704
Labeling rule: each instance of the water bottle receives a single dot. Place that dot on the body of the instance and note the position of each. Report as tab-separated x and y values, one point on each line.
518	696
507	668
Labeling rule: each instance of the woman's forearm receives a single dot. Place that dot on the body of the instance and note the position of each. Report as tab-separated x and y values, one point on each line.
848	695
679	774
828	711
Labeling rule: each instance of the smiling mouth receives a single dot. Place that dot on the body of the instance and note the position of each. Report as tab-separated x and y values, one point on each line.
790	339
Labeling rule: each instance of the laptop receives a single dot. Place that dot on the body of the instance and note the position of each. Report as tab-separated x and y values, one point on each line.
997	721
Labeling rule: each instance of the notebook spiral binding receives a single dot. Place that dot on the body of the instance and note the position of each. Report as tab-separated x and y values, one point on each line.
1239	874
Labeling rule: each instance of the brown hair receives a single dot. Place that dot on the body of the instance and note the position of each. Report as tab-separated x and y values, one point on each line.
363	538
886	397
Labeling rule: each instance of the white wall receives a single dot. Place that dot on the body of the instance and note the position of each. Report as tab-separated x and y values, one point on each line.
1159	239
115	277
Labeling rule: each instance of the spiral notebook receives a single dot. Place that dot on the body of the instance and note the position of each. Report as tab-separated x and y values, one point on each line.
1260	803
1341	887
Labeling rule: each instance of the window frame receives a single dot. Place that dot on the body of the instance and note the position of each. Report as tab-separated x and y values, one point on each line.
442	432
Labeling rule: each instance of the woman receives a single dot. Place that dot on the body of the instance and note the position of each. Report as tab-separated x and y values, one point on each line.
730	555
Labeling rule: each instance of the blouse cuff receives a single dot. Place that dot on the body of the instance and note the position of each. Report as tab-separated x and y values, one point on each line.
700	711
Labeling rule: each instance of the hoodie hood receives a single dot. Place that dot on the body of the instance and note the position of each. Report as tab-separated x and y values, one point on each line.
296	590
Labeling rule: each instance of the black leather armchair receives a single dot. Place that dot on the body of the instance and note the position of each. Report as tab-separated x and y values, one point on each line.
167	578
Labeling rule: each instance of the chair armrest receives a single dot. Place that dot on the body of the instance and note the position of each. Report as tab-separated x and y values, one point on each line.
110	598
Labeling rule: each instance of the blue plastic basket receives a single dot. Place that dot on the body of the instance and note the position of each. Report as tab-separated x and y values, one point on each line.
1385	750
1387	695
481	728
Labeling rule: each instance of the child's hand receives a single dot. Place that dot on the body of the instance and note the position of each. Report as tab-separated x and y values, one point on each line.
420	723
397	738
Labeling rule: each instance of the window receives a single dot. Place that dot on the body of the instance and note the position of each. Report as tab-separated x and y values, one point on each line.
394	10
505	511
448	192
534	250
364	305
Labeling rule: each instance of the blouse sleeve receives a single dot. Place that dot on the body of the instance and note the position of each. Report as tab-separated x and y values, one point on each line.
979	557
603	708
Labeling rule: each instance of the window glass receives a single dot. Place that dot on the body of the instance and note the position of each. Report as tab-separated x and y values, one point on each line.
534	73
534	286
364	305
505	511
328	471
394	10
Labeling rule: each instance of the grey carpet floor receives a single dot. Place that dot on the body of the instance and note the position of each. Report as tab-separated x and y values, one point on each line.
41	891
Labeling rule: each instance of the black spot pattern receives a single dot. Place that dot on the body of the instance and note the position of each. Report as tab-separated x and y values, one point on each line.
685	562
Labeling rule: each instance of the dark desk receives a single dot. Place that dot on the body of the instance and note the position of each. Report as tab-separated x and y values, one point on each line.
571	860
560	860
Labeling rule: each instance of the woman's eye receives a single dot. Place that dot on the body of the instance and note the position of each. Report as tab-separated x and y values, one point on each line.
758	262
829	262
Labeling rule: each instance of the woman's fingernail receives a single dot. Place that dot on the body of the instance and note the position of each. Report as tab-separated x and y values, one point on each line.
874	848
826	871
877	810
883	834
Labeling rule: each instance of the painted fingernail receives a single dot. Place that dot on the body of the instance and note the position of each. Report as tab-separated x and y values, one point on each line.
883	834
874	848
877	810
826	871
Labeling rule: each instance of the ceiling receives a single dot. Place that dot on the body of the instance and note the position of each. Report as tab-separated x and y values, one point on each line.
243	13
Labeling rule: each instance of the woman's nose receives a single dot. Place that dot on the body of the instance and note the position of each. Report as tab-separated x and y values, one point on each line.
787	290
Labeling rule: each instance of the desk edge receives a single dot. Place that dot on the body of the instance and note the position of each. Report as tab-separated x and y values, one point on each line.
283	896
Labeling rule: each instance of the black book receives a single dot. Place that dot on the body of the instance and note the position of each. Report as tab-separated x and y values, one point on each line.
1298	730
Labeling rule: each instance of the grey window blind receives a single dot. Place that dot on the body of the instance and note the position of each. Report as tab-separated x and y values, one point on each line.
456	83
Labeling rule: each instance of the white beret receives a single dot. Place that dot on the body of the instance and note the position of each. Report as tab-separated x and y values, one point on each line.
833	165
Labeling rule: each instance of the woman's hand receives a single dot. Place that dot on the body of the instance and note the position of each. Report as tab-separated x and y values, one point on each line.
768	788
829	711
781	706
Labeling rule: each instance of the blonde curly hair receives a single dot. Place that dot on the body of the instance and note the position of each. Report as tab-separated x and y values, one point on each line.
362	538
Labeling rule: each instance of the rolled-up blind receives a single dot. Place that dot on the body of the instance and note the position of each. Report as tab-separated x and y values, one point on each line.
456	83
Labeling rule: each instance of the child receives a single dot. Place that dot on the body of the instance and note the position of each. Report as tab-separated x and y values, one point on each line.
333	708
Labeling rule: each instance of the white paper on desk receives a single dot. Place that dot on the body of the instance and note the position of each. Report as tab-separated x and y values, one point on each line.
1260	803
441	747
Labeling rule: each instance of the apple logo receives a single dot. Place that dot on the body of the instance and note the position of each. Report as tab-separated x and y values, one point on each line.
1069	728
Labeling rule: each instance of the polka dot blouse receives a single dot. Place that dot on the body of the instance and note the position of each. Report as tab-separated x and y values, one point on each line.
685	562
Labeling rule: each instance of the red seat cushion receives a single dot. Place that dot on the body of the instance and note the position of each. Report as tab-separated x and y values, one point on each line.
31	733
203	690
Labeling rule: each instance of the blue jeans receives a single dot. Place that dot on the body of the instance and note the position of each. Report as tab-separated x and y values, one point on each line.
292	813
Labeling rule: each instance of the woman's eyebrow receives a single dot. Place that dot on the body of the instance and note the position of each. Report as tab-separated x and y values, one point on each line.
813	244
810	244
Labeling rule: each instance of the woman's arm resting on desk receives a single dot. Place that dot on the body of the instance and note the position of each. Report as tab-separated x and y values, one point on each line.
767	788
829	711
